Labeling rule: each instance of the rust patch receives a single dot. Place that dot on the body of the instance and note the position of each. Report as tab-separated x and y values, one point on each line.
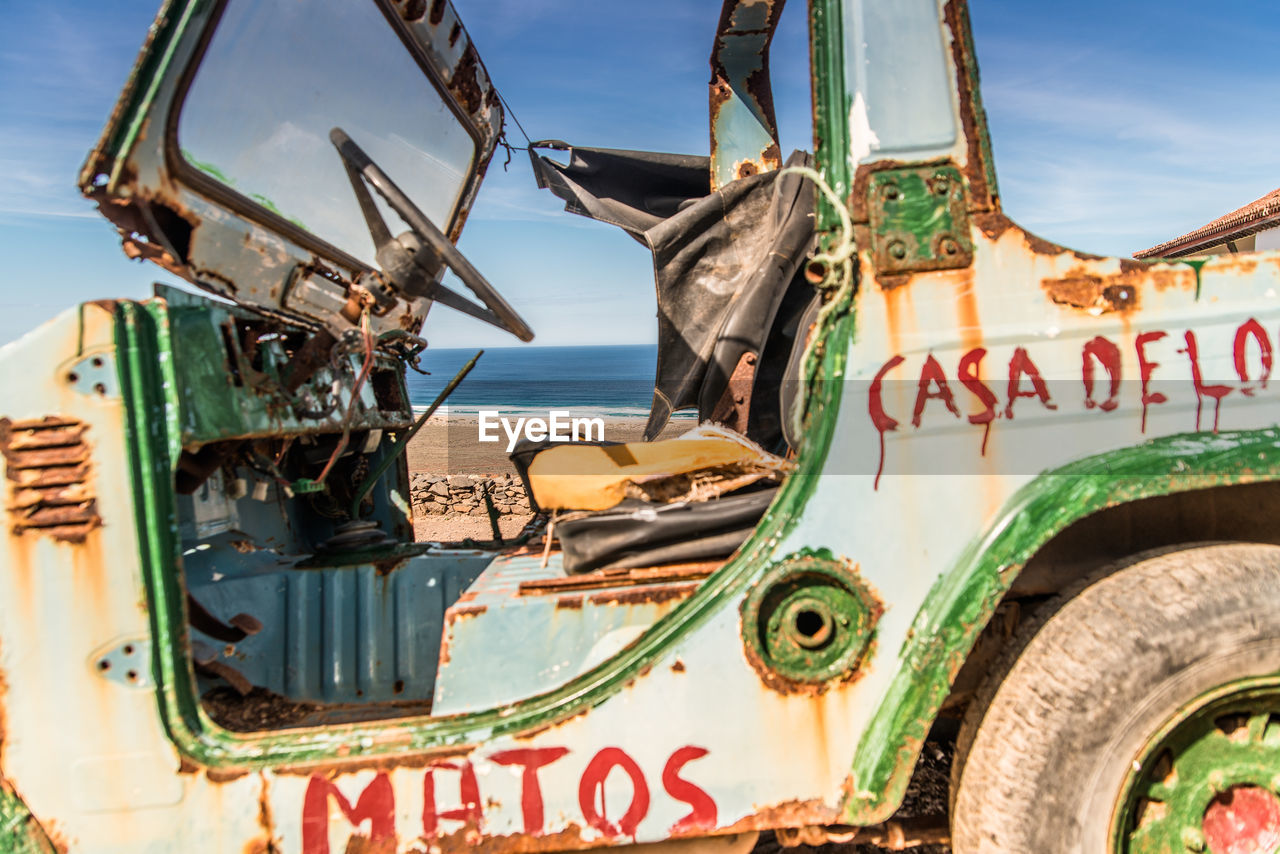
463	842
225	775
336	770
467	611
413	10
995	224
358	844
465	83
266	820
1093	293
857	201
606	578
982	196
573	603
734	407
152	225
437	12
970	325
678	666
1165	279
644	595
787	814
47	462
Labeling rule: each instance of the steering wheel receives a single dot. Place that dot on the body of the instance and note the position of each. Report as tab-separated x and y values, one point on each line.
412	268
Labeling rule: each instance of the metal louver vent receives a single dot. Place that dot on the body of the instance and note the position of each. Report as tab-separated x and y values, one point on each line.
47	464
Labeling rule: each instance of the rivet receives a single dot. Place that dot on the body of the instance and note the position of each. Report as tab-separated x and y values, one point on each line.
942	186
949	246
891	192
1193	839
898	250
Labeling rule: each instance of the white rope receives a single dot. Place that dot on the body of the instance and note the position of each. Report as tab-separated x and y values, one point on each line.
838	260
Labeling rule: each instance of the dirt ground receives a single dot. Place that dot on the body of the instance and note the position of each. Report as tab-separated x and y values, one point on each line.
432	527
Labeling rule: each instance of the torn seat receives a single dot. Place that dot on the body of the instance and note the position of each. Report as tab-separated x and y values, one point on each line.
695	497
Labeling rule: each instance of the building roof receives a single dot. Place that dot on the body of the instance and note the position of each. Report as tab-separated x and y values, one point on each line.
1254	217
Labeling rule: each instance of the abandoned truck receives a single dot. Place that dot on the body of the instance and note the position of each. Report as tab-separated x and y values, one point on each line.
954	483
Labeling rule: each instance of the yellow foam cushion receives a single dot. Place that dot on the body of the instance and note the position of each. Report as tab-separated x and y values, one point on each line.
587	477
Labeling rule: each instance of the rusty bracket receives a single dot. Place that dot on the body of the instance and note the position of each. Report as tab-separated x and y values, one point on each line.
918	219
126	662
94	375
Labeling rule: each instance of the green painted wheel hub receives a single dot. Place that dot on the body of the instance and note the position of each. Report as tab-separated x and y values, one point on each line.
1209	780
809	620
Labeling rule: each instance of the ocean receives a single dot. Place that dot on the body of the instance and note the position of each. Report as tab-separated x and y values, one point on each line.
588	381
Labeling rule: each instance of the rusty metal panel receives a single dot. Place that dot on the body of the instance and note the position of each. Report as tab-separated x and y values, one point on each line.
47	465
744	129
502	644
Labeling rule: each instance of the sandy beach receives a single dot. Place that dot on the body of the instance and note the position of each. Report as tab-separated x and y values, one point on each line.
450	445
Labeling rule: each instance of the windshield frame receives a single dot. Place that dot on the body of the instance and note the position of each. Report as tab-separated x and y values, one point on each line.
258	214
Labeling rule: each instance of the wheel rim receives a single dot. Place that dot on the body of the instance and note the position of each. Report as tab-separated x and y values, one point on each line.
1209	779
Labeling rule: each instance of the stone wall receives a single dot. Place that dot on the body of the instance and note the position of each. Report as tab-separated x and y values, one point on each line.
460	494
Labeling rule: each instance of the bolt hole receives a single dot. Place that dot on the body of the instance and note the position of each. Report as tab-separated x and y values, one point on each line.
73	377
132	676
815	272
96	361
128	649
100	388
809	623
104	665
814	628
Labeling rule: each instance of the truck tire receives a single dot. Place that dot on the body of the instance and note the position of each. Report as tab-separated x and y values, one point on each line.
1142	714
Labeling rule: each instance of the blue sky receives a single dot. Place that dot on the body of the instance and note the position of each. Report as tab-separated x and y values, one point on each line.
1116	125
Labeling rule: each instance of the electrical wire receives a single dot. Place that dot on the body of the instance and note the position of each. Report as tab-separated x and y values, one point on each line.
355	396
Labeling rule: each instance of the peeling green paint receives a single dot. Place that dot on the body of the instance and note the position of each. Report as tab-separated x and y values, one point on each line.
831	105
810	619
1194	758
918	219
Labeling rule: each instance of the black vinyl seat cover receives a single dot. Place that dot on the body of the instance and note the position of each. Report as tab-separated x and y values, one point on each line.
723	261
636	533
728	279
